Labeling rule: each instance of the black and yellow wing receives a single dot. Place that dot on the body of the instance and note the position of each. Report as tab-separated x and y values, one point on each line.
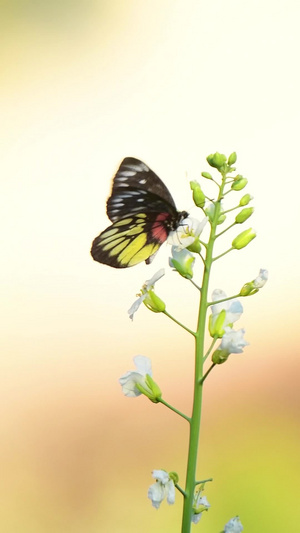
143	213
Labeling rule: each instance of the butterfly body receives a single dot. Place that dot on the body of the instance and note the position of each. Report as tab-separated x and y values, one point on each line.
142	212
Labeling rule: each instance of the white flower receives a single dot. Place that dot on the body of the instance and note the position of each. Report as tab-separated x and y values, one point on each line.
129	380
261	279
223	313
233	341
189	231
200	504
162	488
233	308
182	261
233	526
148	286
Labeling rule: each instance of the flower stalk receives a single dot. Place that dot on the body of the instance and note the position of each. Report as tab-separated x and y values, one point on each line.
199	362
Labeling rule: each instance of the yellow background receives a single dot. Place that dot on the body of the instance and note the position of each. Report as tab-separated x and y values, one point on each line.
84	84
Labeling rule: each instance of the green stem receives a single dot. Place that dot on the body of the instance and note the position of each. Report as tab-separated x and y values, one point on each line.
195	285
224	299
179	323
210	348
226	229
180	489
174	409
232	209
204	481
207	372
224	253
198	383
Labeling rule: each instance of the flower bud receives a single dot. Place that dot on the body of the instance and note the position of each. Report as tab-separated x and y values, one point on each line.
198	194
245	200
216	160
252	287
232	158
174	476
183	261
239	183
243	239
206	175
216	324
221	219
248	289
154	303
195	247
244	214
219	356
151	389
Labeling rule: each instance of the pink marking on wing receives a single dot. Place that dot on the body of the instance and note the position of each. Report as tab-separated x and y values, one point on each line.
159	231
162	217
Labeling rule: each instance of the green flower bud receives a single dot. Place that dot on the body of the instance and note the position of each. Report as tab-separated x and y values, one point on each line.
244	214
245	200
206	175
215	326
248	289
174	476
198	194
195	247
216	160
152	391
219	356
243	239
239	183
185	269
154	303
232	158
221	219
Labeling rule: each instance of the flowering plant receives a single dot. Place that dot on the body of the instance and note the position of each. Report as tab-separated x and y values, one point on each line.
225	311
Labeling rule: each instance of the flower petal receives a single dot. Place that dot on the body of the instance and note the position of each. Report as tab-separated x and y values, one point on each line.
159	274
156	494
143	364
128	383
170	490
136	305
233	341
261	278
130	379
161	475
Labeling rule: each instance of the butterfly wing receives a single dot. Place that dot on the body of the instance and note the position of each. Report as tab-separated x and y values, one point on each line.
137	188
143	213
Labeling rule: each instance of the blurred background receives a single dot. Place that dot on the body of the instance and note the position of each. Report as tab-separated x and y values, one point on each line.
85	83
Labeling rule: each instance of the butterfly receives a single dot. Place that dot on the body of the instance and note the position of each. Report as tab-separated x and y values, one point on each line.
142	212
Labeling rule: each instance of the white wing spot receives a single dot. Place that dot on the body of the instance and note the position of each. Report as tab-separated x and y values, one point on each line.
143	181
126	174
142	167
